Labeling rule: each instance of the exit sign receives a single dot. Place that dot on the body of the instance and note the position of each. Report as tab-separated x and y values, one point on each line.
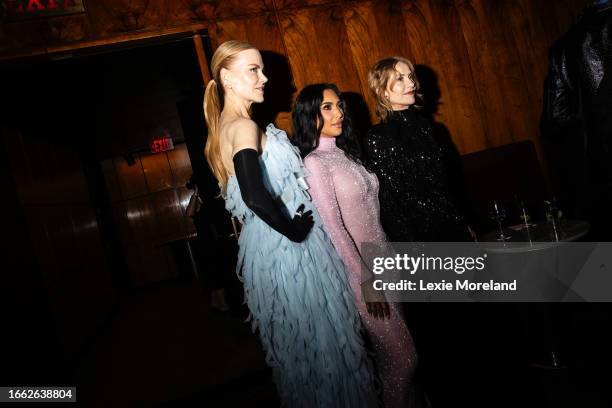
25	9
161	144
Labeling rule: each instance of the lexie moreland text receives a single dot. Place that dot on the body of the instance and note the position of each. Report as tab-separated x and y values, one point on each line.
421	285
428	263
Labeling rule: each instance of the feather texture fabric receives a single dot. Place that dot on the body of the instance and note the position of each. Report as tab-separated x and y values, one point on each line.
299	296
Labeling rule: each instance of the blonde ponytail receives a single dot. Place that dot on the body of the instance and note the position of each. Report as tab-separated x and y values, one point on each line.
213	105
212	150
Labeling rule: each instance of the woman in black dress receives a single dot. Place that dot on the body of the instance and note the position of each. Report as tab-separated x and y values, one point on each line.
416	204
415	199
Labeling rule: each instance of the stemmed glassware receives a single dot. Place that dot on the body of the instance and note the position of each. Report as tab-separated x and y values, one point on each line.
498	214
552	216
553	213
524	214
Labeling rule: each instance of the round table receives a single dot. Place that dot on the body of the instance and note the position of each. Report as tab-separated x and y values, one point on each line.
541	246
538	257
536	236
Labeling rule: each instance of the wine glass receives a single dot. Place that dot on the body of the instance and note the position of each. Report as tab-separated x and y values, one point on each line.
550	207
524	215
552	216
497	213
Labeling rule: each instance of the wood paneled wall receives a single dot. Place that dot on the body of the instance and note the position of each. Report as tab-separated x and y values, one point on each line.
64	233
149	200
489	56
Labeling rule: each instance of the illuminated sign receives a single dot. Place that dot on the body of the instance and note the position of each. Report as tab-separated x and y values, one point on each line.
25	9
161	144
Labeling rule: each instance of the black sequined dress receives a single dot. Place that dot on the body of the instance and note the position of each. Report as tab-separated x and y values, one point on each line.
415	204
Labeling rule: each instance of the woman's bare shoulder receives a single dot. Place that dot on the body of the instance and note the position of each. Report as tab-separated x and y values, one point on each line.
243	133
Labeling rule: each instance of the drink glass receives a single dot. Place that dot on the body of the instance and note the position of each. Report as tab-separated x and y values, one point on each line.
497	213
524	215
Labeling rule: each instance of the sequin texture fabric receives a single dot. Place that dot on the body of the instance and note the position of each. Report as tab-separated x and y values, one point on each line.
345	195
414	196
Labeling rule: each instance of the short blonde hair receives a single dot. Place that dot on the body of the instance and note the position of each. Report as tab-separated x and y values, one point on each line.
378	79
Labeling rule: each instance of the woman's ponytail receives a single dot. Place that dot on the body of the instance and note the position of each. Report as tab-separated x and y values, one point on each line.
213	105
212	113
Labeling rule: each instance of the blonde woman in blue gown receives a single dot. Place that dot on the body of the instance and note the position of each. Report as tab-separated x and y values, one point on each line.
295	284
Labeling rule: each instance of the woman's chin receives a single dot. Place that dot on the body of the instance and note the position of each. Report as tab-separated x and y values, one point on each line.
331	134
403	106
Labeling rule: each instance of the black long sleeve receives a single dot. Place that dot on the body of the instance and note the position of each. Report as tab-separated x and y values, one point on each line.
415	199
393	211
258	199
561	103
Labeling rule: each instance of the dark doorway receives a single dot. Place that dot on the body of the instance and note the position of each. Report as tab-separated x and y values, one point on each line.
95	215
99	234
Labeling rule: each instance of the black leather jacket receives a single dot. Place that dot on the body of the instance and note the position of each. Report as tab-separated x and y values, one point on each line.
578	91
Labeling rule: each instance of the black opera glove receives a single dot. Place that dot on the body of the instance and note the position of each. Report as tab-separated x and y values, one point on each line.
258	199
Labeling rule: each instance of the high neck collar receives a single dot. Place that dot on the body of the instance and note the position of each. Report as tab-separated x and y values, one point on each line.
327	143
401	114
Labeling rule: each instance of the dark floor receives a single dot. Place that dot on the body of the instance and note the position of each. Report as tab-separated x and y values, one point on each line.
166	348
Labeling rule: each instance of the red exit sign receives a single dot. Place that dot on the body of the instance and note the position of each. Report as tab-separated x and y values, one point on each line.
161	144
25	9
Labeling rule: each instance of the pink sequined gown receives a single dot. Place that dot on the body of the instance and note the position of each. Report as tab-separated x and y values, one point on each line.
346	195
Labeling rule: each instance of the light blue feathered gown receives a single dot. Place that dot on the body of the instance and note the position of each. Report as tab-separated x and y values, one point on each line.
299	296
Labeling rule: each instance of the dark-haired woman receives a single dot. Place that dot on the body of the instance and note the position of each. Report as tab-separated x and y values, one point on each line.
346	196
